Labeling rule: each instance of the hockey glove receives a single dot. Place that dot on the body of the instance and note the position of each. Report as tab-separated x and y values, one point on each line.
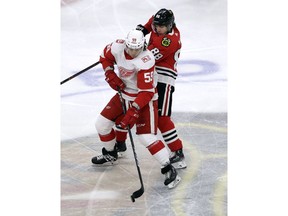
113	80
142	28
130	117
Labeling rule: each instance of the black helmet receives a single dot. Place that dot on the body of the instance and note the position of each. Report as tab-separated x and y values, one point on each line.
164	17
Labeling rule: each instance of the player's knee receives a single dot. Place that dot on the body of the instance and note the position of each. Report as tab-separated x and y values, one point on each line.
147	139
103	125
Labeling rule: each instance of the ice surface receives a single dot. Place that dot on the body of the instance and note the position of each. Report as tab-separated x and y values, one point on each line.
199	105
87	26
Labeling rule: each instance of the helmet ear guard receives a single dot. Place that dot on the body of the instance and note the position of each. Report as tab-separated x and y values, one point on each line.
135	39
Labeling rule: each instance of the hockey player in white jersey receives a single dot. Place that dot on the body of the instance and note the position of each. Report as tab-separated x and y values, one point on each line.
136	80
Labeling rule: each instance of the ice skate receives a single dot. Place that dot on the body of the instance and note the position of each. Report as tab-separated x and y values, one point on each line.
107	157
121	149
171	176
178	160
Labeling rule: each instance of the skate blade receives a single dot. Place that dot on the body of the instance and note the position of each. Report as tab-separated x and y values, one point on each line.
106	164
121	154
179	165
175	182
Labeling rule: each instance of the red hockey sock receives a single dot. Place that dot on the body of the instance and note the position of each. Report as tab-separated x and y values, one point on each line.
107	137
159	152
121	135
169	133
108	140
156	147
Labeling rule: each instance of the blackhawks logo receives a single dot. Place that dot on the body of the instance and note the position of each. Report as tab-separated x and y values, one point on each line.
166	41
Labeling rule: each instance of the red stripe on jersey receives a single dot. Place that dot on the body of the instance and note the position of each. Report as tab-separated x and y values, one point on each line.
156	147
129	94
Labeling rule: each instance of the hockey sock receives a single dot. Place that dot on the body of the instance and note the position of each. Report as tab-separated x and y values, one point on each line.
159	152
108	140
169	133
121	134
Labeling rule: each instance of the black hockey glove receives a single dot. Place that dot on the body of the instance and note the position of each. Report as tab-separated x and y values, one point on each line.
143	29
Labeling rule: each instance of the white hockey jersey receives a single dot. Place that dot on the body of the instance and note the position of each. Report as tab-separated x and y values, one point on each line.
137	73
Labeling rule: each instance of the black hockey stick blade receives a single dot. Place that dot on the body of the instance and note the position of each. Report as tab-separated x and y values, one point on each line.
137	194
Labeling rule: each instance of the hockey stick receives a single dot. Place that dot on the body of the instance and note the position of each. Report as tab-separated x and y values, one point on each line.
80	72
139	192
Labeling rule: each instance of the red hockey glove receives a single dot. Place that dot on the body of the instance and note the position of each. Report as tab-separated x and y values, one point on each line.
114	81
130	117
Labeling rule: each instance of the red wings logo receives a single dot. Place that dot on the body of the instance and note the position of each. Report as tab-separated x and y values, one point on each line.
145	58
125	72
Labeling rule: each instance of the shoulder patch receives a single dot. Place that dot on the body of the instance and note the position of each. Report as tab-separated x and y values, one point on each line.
121	41
166	42
145	58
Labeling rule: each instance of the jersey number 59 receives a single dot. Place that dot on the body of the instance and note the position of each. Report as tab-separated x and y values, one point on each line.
148	77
